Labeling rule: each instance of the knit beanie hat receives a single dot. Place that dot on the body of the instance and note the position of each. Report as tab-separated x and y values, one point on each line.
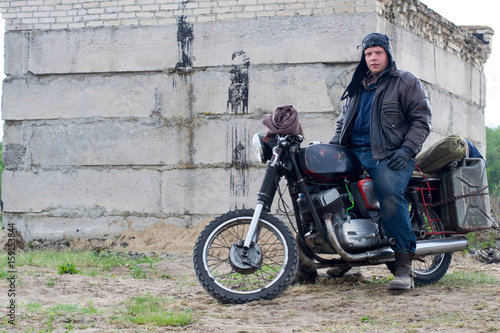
371	40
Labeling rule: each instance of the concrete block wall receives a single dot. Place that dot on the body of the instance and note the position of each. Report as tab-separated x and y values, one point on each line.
120	114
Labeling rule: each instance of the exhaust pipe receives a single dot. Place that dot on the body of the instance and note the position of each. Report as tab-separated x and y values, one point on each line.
444	245
424	247
318	265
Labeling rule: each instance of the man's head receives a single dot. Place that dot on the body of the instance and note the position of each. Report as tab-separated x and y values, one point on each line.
377	52
376	57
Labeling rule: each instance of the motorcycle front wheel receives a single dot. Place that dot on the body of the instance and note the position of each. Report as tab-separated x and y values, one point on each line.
431	268
232	274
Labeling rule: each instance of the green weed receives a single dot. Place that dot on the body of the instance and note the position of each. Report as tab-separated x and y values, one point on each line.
368	319
67	268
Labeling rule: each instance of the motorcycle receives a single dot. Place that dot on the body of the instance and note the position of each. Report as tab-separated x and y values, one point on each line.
249	254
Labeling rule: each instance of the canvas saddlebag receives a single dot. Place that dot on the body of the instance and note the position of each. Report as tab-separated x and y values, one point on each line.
447	150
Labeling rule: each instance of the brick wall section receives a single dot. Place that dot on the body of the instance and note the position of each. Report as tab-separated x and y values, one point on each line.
71	14
423	21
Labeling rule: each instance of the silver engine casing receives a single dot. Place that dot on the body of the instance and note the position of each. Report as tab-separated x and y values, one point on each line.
354	235
357	235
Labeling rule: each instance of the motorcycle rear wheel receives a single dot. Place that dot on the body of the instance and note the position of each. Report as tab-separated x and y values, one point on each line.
431	268
225	274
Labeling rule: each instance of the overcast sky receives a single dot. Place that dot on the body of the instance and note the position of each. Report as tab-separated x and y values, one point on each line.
460	12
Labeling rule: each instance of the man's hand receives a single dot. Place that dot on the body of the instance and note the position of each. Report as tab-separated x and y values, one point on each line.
399	158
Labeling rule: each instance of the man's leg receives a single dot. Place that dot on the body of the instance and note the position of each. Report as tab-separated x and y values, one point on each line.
390	186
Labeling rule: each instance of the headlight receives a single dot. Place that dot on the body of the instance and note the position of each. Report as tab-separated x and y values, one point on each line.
258	148
263	147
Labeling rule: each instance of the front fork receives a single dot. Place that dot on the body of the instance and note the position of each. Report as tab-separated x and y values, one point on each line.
264	201
251	236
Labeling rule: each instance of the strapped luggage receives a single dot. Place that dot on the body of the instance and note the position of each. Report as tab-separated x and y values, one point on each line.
449	149
466	203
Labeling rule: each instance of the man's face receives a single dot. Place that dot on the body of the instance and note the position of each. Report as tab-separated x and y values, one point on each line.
377	60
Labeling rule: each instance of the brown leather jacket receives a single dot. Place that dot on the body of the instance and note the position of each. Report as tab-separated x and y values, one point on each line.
401	115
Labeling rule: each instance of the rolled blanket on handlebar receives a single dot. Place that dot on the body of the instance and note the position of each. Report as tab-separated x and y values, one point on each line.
284	120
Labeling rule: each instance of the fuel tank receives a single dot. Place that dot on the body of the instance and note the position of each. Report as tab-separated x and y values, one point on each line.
326	162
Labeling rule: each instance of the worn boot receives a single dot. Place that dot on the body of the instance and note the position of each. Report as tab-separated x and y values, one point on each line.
337	272
305	274
403	279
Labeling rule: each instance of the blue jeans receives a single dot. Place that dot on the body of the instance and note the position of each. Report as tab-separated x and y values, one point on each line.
390	186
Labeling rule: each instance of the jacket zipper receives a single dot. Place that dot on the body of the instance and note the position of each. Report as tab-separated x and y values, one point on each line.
377	93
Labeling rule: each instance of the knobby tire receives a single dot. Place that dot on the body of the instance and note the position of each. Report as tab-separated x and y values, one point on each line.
217	275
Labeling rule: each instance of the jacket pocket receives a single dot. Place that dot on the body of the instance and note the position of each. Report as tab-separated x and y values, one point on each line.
391	115
392	121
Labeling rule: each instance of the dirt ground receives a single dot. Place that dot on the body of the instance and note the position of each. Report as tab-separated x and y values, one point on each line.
358	302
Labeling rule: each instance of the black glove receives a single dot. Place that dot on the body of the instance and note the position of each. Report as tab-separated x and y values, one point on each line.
399	158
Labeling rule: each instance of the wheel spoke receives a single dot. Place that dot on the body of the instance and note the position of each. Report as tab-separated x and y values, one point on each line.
235	233
217	262
223	240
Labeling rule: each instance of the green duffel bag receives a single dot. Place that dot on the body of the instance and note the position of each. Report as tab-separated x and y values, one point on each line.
449	149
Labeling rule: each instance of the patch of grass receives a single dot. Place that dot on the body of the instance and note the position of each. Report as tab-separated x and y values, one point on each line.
51	258
151	310
34	307
69	326
138	273
64	308
89	308
381	280
464	279
3	272
50	281
93	272
106	261
146	260
482	239
58	315
88	262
